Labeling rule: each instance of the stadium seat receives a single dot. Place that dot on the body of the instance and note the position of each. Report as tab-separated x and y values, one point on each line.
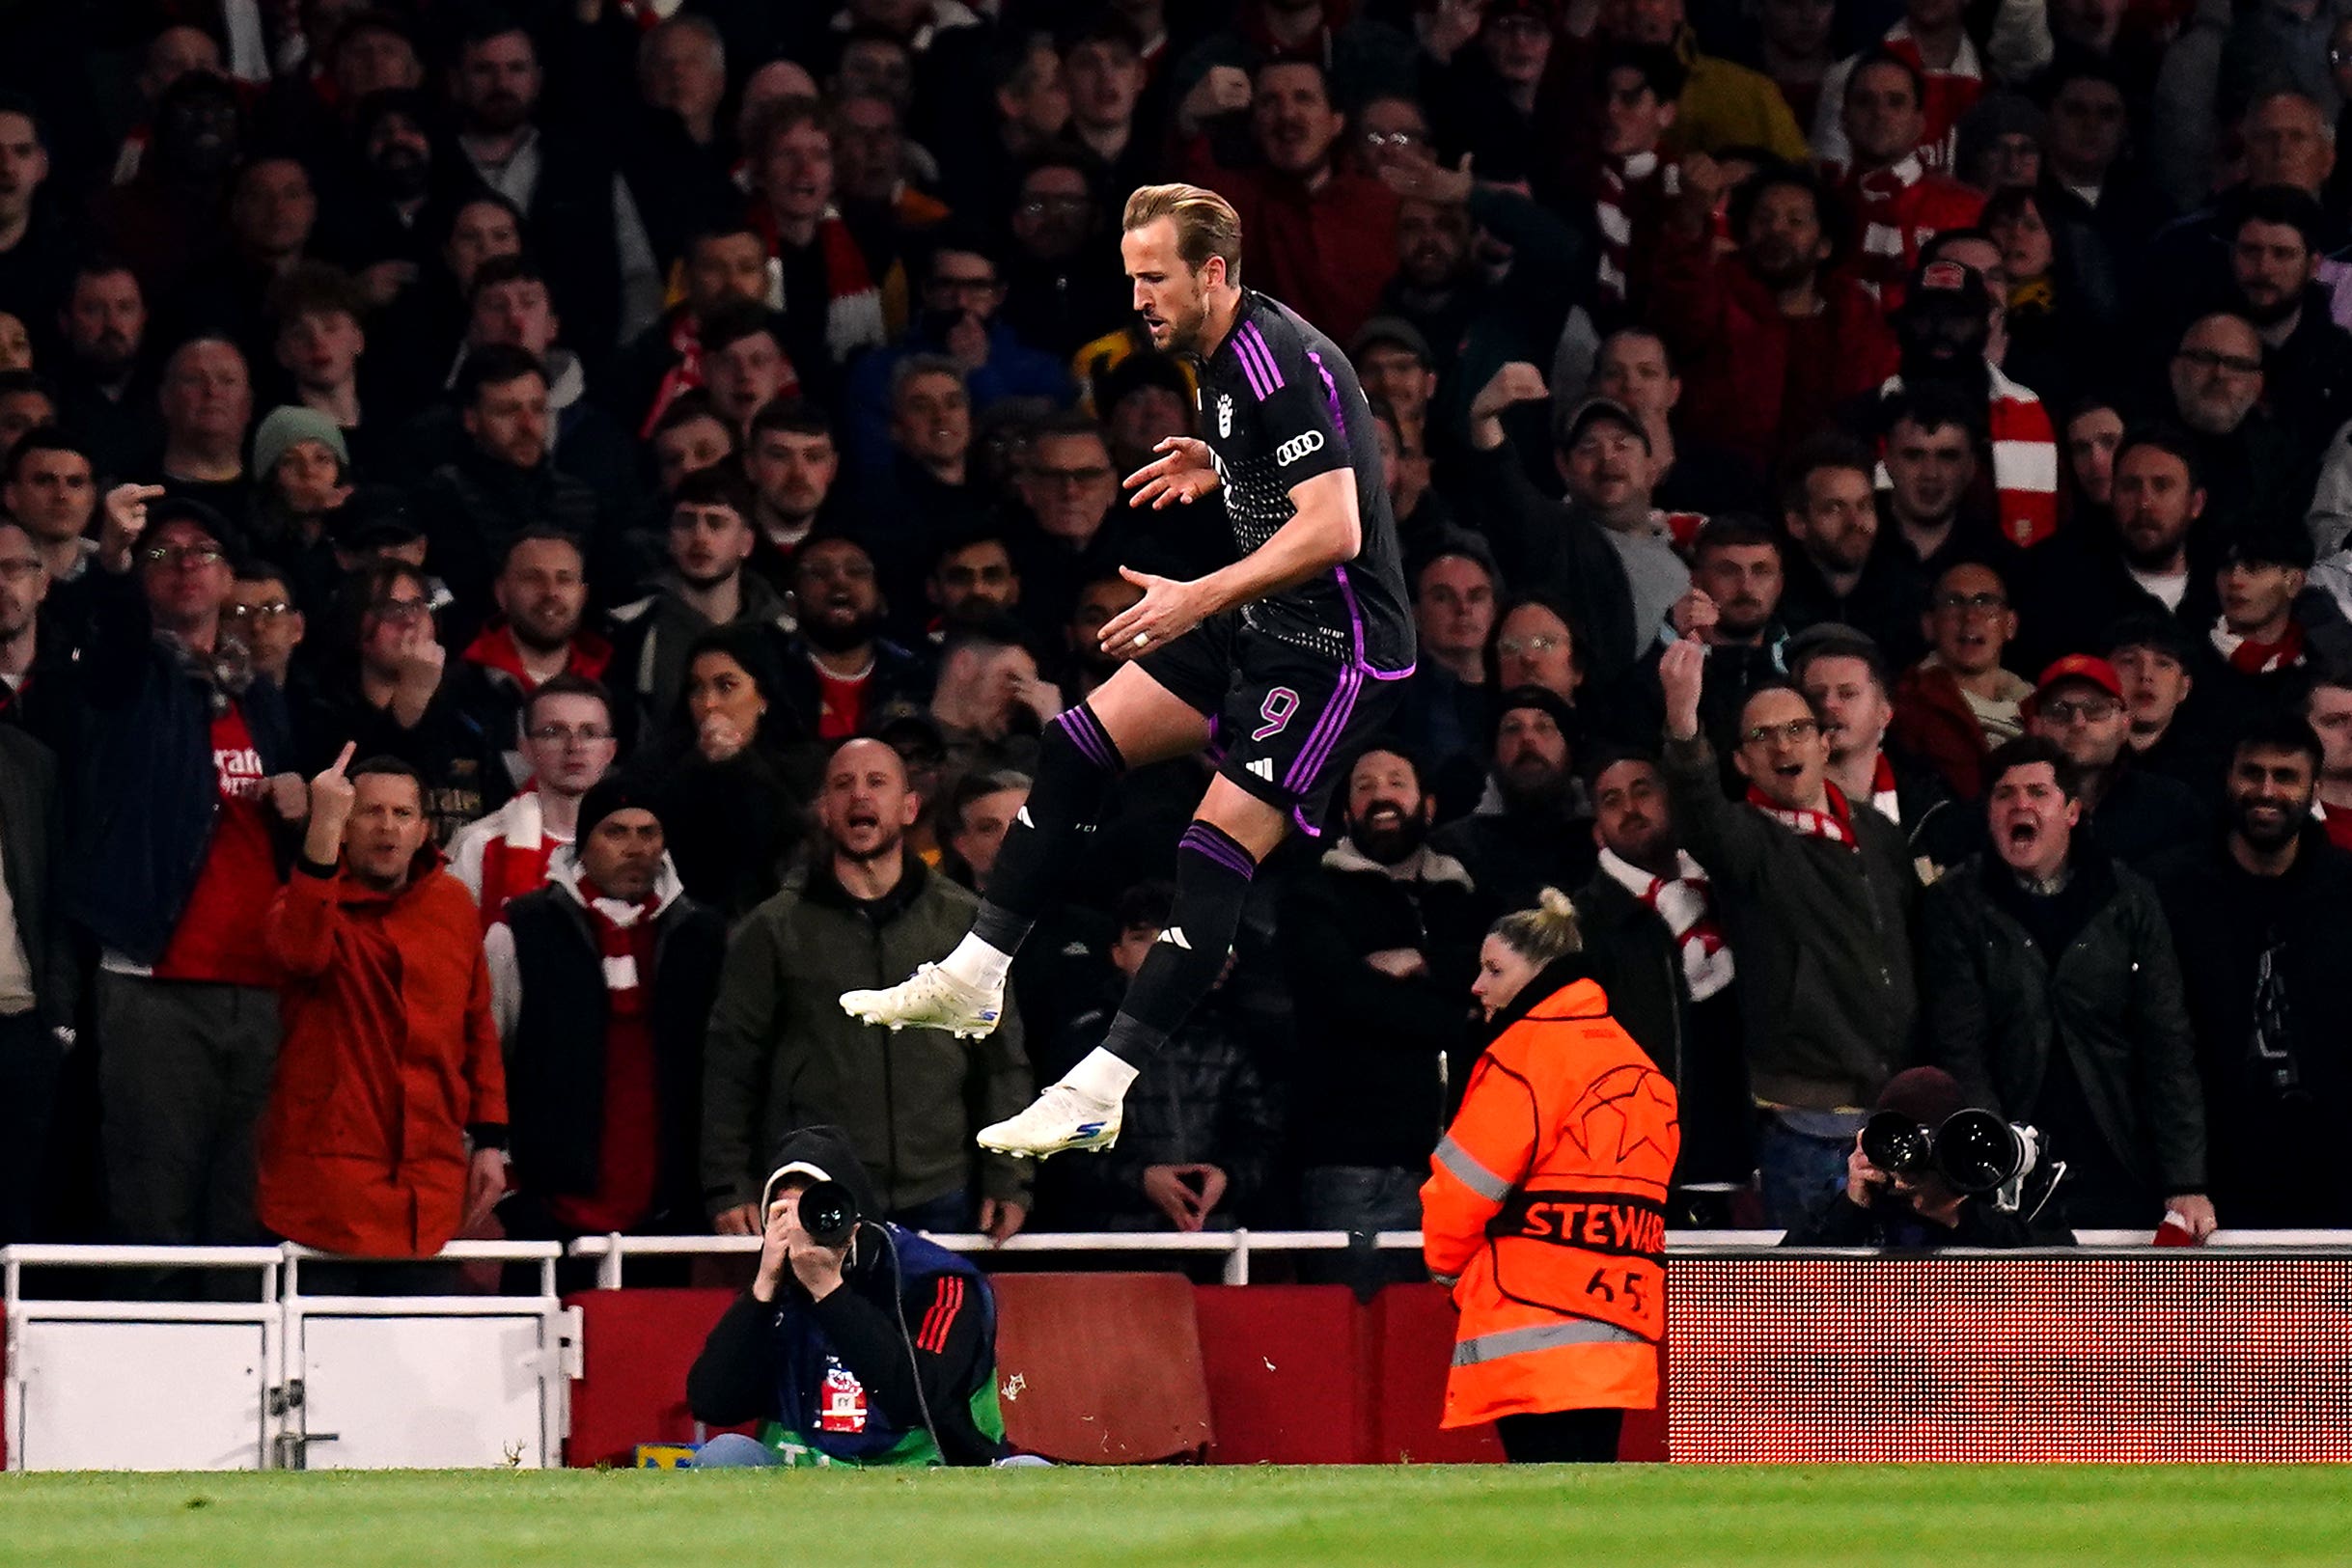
1101	1368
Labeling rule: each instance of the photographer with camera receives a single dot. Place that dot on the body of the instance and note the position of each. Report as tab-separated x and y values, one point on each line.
858	1343
2052	996
1917	1179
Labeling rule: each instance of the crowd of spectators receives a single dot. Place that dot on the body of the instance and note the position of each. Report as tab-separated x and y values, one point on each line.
655	464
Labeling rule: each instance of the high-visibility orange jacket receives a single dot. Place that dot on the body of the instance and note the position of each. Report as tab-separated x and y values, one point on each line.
1548	1198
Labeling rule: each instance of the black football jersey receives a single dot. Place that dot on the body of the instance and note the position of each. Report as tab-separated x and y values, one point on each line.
1280	403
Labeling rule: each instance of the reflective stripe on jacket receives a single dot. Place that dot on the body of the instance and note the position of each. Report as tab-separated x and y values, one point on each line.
1547	1200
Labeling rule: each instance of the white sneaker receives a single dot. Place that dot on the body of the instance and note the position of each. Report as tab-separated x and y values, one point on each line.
929	999
1059	1120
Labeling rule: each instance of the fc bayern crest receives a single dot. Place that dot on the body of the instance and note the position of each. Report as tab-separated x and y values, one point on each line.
1225	414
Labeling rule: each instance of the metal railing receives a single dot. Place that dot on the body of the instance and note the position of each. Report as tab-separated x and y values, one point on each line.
1237	1246
278	1267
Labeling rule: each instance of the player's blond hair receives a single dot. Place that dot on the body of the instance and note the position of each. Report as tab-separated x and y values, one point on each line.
1205	223
1544	934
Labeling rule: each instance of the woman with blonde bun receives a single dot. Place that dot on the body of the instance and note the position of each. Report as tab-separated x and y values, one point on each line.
1546	1203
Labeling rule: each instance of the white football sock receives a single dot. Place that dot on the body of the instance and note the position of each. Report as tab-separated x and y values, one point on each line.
1101	1076
977	965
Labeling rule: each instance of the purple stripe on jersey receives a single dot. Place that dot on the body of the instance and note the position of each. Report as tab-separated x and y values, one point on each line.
1259	382
1326	736
1299	816
1331	395
1251	346
1085	733
1355	614
1355	621
1249	367
1204	840
1265	354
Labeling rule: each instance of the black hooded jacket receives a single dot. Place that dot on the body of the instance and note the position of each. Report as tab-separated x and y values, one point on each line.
886	1333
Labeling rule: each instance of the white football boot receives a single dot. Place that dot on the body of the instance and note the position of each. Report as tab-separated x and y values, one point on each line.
929	999
1057	1121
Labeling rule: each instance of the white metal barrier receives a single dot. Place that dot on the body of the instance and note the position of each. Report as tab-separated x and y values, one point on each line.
293	1381
285	1380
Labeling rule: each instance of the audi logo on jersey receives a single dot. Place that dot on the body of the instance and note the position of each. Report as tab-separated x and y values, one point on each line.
1297	447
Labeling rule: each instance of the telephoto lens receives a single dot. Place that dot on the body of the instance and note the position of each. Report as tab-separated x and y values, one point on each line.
1978	1151
828	1214
1895	1144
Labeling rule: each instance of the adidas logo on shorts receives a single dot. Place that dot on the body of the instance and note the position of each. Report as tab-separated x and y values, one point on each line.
1174	936
1262	768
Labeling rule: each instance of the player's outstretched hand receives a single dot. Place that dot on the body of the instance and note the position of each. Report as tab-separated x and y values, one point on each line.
1168	609
1184	471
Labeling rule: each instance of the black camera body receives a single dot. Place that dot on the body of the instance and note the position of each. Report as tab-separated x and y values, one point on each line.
1974	1151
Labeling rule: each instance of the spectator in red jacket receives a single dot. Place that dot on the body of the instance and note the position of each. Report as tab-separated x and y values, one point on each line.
1771	337
386	1129
1322	238
1956	704
1896	203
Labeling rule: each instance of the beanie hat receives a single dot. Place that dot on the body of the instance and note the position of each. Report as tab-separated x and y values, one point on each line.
286	424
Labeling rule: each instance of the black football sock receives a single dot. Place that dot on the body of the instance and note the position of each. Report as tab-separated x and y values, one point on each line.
1076	764
1213	875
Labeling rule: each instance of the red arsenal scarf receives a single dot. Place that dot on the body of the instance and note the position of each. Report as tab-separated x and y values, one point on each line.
1950	93
1686	903
624	935
1836	824
2024	458
1630	189
2251	658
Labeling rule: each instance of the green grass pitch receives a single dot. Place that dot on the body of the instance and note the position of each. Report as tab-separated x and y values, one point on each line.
1635	1516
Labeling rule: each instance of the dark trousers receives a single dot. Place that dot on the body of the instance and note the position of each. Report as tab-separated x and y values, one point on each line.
1561	1437
30	1059
947	1214
184	1071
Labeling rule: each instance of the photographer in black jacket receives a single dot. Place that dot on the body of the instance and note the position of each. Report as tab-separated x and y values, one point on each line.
1878	1208
847	1354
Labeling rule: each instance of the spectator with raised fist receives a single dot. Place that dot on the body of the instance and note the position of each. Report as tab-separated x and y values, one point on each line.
185	781
386	1132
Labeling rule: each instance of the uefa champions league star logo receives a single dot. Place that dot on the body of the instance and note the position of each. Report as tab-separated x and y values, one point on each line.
1225	415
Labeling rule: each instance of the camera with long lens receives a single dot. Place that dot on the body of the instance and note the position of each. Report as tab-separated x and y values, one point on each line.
1974	1151
829	1213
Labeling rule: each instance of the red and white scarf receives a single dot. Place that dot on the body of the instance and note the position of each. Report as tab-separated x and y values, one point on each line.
685	371
2251	658
625	939
1631	191
516	854
853	310
1836	824
1885	799
1686	903
1885	259
2024	458
1950	93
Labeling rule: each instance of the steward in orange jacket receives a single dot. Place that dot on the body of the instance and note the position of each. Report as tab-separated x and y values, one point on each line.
1547	1200
391	1054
